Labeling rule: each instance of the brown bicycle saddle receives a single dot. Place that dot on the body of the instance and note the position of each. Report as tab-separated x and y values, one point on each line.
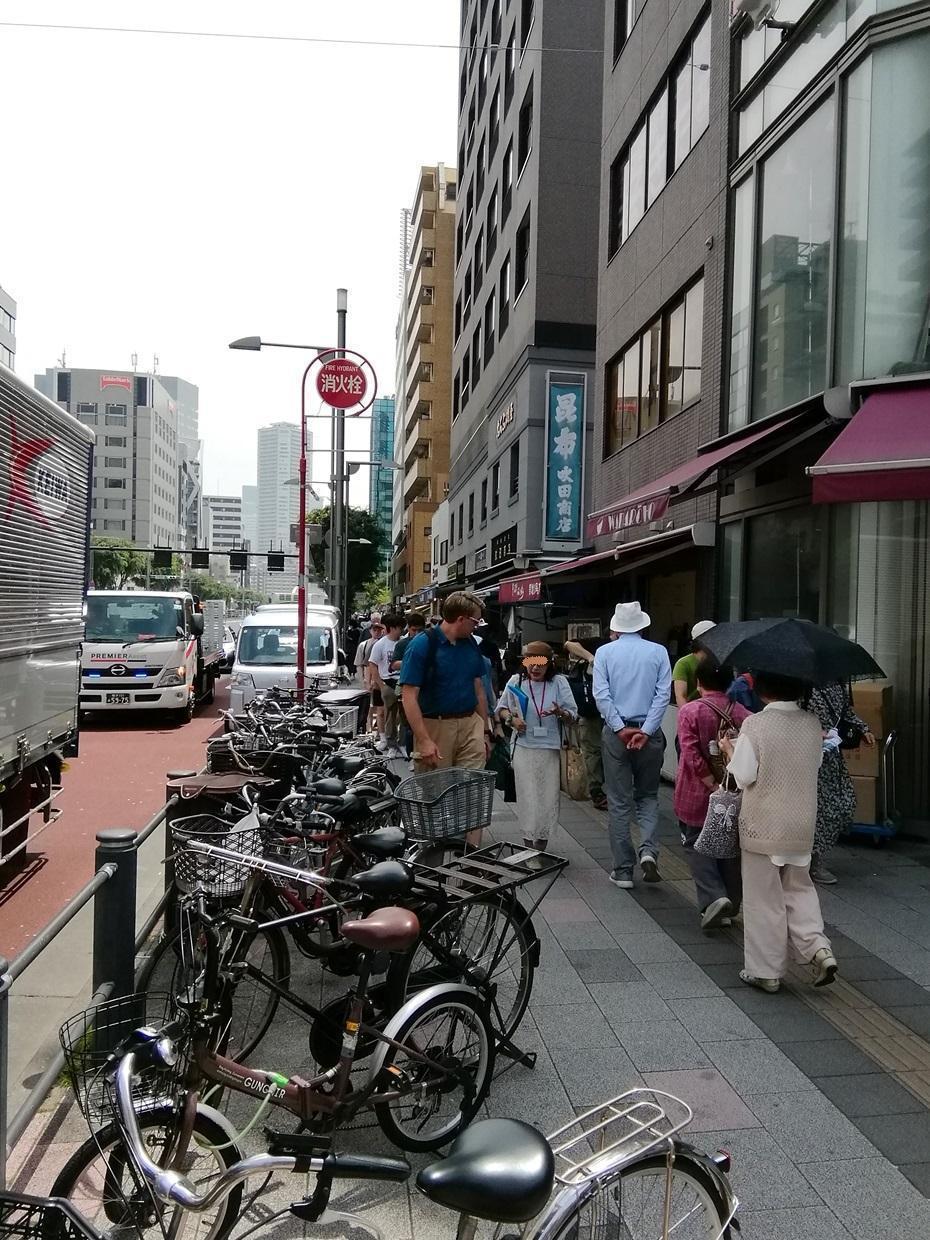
384	930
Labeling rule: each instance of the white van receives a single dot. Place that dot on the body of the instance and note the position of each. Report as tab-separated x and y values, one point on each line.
266	651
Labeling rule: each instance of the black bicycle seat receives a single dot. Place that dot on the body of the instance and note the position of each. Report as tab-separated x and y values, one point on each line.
367	791
348	767
385	880
384	843
498	1169
327	787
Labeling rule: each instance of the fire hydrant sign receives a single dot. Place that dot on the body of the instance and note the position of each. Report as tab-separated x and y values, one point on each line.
341	383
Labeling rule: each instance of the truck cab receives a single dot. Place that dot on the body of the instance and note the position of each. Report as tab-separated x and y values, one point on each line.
148	650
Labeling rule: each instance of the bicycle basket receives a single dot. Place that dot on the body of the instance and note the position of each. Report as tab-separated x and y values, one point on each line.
299	853
92	1037
220	877
41	1218
342	722
436	805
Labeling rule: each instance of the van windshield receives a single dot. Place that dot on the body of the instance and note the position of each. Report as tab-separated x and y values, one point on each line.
275	645
133	619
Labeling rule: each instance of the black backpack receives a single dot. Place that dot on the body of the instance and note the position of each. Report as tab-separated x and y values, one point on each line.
582	687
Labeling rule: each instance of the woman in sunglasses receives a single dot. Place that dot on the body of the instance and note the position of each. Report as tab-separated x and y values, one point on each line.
536	702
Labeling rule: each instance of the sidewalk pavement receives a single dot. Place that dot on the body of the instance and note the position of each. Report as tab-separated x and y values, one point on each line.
822	1096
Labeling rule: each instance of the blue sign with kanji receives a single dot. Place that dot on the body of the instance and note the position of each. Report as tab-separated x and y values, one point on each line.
564	461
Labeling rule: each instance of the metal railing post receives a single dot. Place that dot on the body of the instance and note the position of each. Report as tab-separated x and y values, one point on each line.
5	983
115	912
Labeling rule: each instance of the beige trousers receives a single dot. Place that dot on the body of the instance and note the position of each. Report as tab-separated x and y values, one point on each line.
780	910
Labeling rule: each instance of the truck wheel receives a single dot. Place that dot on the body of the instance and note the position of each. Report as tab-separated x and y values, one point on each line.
211	688
186	713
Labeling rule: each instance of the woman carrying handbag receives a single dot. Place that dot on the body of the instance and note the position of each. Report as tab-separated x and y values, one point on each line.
536	702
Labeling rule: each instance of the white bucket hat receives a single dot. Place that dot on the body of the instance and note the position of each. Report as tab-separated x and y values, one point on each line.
702	627
629	618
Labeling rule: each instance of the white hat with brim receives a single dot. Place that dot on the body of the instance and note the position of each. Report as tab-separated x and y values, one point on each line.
702	627
629	618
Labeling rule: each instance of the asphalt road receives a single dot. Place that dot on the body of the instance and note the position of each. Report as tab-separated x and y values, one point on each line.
118	781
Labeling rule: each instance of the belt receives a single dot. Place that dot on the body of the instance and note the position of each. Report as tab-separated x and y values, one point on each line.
633	723
453	714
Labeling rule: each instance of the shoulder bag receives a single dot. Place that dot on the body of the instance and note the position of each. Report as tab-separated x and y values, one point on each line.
715	759
719	836
573	773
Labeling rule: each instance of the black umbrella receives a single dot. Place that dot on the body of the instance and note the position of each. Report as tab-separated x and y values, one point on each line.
796	648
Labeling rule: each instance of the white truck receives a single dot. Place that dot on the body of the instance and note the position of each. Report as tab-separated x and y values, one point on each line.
45	470
150	650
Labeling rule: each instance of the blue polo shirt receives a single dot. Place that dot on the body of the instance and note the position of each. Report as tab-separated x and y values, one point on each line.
448	688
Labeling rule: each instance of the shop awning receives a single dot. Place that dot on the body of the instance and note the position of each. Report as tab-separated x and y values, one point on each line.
524	589
882	454
628	555
650	502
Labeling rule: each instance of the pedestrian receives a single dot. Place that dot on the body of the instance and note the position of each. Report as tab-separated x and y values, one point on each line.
442	693
415	624
836	794
743	690
684	673
536	703
775	760
363	672
632	683
700	768
491	651
590	723
353	637
385	680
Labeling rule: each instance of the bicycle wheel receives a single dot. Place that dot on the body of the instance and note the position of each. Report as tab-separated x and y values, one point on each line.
177	963
488	942
633	1206
434	1105
100	1179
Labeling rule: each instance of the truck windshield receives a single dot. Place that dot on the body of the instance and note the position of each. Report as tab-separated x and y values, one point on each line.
133	619
276	645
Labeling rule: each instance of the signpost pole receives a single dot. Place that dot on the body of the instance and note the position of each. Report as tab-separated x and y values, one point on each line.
337	516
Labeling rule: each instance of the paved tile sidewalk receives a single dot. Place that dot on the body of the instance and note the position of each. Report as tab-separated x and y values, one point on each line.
827	1141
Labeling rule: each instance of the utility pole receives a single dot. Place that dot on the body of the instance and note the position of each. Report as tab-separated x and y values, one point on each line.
337	515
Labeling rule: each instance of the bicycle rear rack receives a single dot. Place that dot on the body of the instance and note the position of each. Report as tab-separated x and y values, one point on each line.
621	1130
499	867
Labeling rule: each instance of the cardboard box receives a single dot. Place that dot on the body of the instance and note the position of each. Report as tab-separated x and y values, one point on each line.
873	700
866	761
868	799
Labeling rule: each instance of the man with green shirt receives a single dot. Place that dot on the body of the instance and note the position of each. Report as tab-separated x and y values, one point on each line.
684	673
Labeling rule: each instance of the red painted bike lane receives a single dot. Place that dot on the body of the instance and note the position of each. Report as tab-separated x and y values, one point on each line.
118	781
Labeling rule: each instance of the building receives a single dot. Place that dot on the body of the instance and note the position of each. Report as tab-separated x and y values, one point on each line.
222	529
381	481
525	288
135	493
424	379
186	399
7	330
278	499
250	534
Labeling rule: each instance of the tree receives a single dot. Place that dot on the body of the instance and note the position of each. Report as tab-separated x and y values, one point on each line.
365	560
115	562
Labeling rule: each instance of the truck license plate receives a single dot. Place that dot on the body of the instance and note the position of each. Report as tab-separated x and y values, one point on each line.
118	699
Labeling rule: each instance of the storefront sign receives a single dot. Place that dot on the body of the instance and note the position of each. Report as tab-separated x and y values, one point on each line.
526	589
564	460
481	557
505	418
626	516
503	546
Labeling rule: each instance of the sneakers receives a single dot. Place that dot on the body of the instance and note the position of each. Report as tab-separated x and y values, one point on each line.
820	874
824	966
622	878
599	802
716	913
650	869
771	985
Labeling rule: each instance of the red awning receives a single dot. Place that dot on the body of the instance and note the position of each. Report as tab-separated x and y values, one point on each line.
701	534
883	453
524	589
651	501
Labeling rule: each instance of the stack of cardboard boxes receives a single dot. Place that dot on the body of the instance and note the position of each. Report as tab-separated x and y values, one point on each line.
873	701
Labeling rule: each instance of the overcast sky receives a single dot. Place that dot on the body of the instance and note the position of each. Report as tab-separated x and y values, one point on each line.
165	195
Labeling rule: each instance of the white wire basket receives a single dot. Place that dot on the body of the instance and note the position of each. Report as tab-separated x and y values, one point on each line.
438	805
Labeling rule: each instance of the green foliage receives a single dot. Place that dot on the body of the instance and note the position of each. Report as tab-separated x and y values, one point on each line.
365	560
114	569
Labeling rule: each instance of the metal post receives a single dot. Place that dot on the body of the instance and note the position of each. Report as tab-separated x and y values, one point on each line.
115	912
5	983
337	523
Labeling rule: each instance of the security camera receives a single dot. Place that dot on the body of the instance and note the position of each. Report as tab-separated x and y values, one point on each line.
761	13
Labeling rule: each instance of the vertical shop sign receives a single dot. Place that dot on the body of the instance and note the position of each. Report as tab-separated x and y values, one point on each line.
564	459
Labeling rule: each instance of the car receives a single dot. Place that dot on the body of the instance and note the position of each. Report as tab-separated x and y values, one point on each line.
229	649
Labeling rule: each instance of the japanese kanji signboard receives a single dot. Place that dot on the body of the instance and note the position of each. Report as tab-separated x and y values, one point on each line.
341	383
564	460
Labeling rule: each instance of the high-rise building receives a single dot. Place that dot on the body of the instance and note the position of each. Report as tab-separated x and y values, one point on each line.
525	286
7	330
424	378
381	483
278	497
137	460
222	527
250	532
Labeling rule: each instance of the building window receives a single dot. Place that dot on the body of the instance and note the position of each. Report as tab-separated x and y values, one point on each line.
495	486
514	470
691	90
527	13
115	415
114	441
658	374
483	76
114	484
507	183
466	296
504	294
114	525
522	254
783	564
494	121
491	225
455	397
741	304
471	513
469	207
452	528
480	170
427	566
142	391
478	261
484	500
114	462
624	17
63	386
466	373
444	550
459	239
458	316
461	522
489	327
525	129
476	354
510	68
496	23
119	505
87	410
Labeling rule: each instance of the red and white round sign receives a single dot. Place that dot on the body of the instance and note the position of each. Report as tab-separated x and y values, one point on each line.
342	383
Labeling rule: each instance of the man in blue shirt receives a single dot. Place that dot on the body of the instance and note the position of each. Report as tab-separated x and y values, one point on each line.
443	695
632	687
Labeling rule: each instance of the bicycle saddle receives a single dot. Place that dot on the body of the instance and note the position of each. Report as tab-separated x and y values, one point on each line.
327	787
383	843
348	767
384	930
498	1169
385	880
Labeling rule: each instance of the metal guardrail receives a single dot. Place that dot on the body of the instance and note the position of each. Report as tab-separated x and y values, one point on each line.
115	943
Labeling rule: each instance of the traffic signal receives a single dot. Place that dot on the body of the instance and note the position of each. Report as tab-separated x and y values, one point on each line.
162	558
238	561
200	559
275	562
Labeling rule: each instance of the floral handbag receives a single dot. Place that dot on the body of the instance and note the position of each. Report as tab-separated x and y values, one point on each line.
720	833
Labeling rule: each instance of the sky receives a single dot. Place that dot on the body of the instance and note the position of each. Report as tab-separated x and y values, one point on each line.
174	193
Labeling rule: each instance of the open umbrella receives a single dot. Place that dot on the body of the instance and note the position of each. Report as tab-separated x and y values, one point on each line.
796	648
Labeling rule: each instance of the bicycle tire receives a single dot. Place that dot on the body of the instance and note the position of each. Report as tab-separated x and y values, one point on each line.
447	1013
76	1184
168	971
604	1211
418	968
